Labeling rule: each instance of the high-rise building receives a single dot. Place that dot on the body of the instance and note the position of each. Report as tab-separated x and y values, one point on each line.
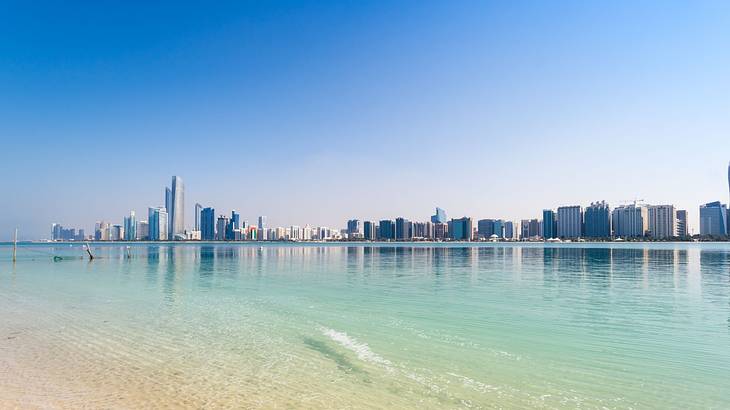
130	227
262	222
570	222
713	219
682	230
597	220
369	230
220	228
485	228
461	229
440	231
387	230
662	221
440	217
233	225
549	224
143	231
403	229
177	216
630	221
158	223
509	230
354	229
207	224
198	209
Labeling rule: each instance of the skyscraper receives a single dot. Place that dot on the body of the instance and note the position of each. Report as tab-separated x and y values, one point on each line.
403	229
220	228
177	216
630	221
682	230
713	219
207	224
198	209
485	228
262	222
157	219
440	217
461	229
570	222
662	221
387	229
597	220
354	229
369	230
549	224
130	227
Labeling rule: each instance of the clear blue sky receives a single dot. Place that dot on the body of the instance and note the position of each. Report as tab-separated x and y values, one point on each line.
315	112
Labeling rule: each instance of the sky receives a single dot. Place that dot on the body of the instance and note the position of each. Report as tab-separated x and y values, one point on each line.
318	112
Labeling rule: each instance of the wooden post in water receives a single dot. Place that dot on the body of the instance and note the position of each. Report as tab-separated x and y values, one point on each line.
15	244
88	250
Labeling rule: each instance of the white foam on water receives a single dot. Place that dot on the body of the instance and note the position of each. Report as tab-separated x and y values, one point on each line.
474	384
362	350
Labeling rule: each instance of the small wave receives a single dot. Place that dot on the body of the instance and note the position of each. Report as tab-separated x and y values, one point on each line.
361	349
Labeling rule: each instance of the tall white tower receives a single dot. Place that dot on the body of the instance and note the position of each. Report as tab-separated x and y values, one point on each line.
177	214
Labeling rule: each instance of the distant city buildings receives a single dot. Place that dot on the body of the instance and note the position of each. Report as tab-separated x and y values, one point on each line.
440	217
682	231
713	219
570	222
662	221
461	229
630	221
597	221
549	224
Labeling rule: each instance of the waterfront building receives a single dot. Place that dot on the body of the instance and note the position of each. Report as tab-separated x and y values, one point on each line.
713	219
369	231
295	233
498	228
440	231
549	224
177	216
354	229
198	210
509	230
233	225
262	222
682	230
570	222
130	227
158	223
440	217
630	221
143	231
387	230
485	228
662	221
461	229
597	220
403	229
220	228
207	224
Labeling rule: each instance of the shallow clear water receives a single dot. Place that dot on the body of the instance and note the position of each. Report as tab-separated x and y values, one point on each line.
361	326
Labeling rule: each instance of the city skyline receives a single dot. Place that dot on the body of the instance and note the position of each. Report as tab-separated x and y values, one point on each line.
328	110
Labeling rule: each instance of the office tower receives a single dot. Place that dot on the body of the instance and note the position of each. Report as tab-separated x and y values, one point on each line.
498	228
549	224
353	229
130	227
168	200
509	230
403	229
713	219
440	231
485	228
262	222
461	229
662	221
143	231
570	222
682	230
369	231
207	224
597	220
158	223
220	228
177	206
198	209
233	225
728	177
440	217
387	229
630	221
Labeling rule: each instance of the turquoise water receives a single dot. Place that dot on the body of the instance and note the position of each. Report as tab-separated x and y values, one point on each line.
367	326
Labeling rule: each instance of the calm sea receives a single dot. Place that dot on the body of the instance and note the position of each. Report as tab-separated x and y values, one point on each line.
366	326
